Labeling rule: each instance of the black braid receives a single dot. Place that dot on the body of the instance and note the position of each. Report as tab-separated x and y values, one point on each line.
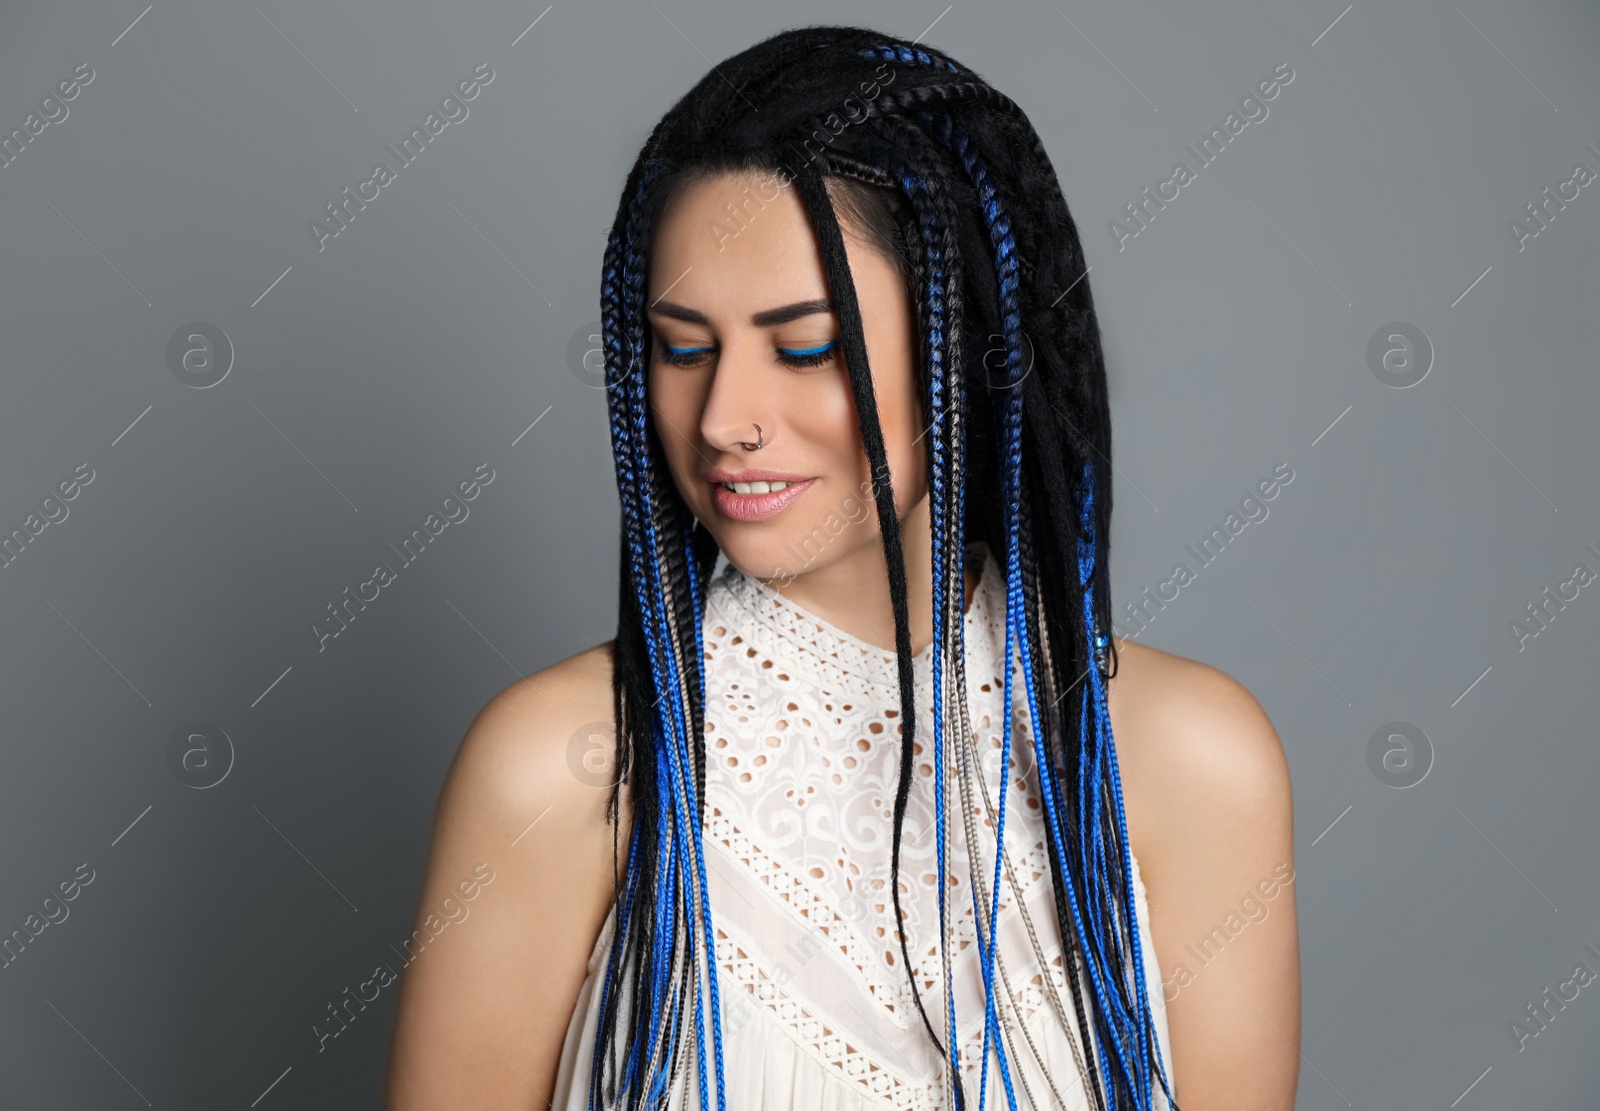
840	111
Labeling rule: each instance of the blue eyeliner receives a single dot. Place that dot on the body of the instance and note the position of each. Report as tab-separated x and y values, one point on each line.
808	350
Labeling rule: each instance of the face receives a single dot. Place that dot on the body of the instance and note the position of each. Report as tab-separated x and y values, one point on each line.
743	335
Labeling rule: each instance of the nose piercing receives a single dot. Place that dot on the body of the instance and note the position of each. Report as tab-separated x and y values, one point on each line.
760	440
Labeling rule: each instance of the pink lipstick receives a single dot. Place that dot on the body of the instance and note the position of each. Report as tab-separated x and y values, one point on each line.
749	495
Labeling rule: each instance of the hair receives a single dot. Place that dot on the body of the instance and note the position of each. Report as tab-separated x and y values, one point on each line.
940	171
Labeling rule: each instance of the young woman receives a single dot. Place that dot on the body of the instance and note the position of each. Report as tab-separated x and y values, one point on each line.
749	847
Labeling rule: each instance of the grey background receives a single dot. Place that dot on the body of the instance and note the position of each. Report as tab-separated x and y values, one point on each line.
430	335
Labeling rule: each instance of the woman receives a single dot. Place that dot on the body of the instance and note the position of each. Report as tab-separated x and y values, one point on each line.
859	415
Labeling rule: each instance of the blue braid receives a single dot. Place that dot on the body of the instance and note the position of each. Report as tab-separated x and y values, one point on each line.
620	363
697	606
916	189
1006	264
1097	736
1010	448
685	860
1097	733
664	663
625	901
664	917
625	906
891	52
1151	1043
661	975
634	453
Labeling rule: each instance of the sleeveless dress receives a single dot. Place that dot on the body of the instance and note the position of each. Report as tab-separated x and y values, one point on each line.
802	762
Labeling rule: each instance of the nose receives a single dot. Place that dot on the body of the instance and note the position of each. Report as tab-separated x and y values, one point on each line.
739	398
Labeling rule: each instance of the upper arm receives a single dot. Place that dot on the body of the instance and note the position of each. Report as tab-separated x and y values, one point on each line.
1207	790
493	975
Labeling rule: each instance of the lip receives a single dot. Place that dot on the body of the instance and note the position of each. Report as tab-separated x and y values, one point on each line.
754	474
755	507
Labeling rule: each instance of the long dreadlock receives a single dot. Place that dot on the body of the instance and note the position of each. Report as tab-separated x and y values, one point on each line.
977	219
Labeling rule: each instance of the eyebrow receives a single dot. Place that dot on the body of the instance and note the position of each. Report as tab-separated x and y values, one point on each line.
783	314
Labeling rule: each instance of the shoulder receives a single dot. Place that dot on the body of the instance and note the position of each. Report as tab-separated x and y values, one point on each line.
545	739
1202	766
522	808
531	784
1210	817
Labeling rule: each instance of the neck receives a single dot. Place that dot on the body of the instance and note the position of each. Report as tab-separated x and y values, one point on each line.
852	591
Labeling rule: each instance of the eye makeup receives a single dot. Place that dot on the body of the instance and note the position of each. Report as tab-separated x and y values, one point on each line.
797	357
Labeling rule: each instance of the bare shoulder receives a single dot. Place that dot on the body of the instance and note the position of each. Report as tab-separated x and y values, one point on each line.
492	977
1201	763
539	751
529	738
1210	818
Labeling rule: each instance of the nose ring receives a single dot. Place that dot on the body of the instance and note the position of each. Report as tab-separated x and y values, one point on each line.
760	440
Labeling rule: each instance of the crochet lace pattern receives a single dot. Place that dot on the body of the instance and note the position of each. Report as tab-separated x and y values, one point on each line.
802	762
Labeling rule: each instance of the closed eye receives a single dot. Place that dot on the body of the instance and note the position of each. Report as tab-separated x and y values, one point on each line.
792	356
808	356
684	356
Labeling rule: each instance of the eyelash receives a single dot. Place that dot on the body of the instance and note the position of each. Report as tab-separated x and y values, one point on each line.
807	357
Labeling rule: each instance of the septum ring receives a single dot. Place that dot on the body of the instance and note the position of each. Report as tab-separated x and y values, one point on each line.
760	440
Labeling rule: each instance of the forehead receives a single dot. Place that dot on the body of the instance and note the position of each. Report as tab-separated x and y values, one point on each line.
735	239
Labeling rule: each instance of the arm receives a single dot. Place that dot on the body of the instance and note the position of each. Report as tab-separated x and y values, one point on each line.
1210	814
491	984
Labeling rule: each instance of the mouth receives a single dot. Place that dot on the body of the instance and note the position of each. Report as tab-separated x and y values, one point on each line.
756	495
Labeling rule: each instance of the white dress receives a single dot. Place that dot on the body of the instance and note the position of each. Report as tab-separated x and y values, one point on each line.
802	760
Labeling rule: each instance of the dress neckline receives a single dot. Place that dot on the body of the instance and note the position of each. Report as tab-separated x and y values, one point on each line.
801	641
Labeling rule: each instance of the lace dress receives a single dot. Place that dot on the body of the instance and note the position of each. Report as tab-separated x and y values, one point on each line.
801	765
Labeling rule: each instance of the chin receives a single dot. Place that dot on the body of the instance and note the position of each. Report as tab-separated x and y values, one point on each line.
809	534
765	551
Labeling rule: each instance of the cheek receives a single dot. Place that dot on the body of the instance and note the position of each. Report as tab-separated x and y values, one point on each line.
900	414
828	416
674	406
910	459
892	343
830	424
